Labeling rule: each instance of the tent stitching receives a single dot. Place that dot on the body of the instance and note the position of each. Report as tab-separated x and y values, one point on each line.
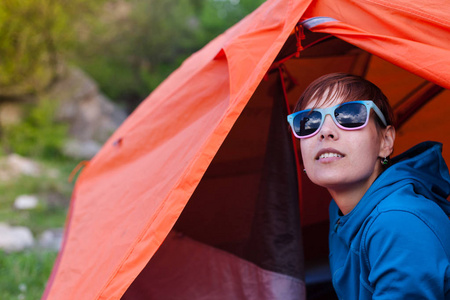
408	10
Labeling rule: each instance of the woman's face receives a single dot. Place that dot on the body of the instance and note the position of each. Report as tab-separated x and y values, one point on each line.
342	160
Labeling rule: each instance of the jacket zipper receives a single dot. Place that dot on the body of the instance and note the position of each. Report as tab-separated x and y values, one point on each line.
336	226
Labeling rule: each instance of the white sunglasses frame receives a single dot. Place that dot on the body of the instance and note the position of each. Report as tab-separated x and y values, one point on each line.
369	104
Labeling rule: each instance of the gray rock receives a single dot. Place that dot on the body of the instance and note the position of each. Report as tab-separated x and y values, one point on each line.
25	202
80	149
79	103
15	238
90	115
15	165
23	165
51	239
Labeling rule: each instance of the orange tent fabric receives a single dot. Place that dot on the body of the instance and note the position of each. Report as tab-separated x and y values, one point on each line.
131	194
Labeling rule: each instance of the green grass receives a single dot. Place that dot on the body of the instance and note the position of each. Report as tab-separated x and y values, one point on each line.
23	275
52	191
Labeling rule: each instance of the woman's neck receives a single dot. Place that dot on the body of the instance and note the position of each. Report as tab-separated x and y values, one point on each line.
347	198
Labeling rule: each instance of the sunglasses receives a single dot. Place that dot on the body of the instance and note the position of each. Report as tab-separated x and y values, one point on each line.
348	116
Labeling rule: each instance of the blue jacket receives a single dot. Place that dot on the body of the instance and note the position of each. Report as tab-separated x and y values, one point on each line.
395	244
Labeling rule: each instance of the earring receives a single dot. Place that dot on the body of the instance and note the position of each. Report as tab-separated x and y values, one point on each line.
384	161
304	171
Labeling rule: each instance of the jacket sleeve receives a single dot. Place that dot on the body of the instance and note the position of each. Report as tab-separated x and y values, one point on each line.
405	258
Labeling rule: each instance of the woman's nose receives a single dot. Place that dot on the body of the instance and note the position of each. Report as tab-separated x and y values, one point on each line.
329	130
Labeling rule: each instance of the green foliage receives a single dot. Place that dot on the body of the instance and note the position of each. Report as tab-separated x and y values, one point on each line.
128	46
219	15
35	33
129	54
24	275
38	135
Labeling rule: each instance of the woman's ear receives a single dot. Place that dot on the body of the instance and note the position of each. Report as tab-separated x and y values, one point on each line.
387	141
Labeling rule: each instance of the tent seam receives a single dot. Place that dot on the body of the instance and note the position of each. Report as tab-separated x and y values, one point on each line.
409	11
393	58
114	274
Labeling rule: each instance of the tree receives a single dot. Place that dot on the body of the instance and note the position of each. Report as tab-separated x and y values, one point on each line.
130	53
34	36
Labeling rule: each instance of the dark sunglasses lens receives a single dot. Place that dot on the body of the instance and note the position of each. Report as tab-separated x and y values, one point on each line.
351	115
307	123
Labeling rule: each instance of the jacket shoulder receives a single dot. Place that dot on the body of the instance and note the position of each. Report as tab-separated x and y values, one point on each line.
411	219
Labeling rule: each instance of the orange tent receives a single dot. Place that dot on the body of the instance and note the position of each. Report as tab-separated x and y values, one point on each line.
208	155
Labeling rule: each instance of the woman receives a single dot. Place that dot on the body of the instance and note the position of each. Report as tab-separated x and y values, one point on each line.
389	219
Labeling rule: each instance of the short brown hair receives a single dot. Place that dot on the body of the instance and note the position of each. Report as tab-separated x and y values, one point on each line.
349	88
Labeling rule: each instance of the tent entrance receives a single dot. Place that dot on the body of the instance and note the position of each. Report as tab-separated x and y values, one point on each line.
244	216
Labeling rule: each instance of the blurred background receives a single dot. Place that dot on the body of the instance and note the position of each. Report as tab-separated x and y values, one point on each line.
71	71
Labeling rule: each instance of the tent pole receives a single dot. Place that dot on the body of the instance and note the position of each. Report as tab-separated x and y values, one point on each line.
414	102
